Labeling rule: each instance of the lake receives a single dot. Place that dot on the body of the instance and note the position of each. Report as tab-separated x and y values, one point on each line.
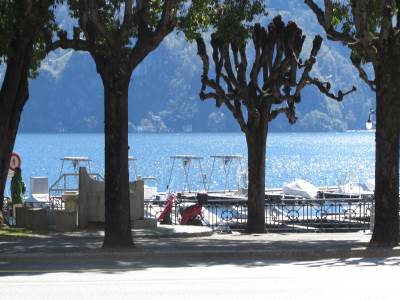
321	158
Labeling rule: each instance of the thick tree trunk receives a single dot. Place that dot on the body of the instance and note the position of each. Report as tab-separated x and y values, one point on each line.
256	147
386	229
13	96
8	131
117	205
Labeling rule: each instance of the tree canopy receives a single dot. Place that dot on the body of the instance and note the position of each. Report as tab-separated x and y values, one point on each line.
22	20
137	27
367	27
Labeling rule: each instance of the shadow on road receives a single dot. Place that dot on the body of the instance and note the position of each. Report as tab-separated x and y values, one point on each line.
52	254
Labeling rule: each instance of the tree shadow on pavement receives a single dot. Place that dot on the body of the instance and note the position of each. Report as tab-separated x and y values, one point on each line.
53	254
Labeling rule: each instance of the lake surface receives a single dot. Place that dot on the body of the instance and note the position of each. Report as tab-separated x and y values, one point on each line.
321	158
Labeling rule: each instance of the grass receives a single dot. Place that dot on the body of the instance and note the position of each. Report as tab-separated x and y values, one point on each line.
15	232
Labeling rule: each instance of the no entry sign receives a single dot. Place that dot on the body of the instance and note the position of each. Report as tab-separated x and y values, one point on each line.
15	161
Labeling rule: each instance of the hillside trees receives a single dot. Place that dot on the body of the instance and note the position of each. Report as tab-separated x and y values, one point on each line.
371	30
257	92
119	35
24	26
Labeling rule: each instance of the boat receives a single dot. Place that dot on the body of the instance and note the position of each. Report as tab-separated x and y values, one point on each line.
300	188
370	183
68	180
39	192
150	187
354	188
186	161
226	162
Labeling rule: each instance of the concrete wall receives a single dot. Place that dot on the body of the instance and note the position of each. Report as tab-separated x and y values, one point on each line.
91	200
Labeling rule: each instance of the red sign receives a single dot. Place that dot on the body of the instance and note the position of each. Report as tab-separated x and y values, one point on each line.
15	161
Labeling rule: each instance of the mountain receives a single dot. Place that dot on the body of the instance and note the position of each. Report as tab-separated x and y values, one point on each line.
67	96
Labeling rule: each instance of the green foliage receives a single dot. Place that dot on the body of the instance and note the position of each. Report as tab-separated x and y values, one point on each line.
342	17
229	19
26	20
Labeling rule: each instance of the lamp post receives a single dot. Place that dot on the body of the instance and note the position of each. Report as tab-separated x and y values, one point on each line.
368	124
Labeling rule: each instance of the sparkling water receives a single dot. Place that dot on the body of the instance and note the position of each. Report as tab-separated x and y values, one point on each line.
320	158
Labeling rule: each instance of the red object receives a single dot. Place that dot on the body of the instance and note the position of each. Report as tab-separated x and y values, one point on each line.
168	207
190	213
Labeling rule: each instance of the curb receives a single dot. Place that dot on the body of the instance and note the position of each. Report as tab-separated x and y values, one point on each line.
204	255
89	236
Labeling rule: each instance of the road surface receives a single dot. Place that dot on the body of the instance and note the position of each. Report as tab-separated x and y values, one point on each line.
353	279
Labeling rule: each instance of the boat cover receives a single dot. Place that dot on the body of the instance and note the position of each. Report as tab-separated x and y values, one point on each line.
300	188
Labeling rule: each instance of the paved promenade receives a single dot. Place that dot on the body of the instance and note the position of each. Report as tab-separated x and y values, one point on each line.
192	242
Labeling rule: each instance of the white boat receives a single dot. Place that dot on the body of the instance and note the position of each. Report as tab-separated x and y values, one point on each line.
300	188
150	187
354	188
370	183
68	181
39	191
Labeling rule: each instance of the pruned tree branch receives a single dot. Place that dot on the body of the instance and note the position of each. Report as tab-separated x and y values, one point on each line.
283	110
362	73
276	55
325	88
63	42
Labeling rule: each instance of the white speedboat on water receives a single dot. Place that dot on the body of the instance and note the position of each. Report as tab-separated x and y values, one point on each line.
300	188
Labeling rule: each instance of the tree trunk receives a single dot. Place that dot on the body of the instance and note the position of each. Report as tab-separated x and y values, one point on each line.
256	147
117	205
13	96
386	229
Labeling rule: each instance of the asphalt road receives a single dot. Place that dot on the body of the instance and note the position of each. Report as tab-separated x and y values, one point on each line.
353	278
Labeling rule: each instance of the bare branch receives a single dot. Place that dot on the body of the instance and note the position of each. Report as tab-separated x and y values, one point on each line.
228	67
217	55
360	14
290	114
63	42
387	11
93	20
325	87
276	56
238	114
127	25
219	94
149	40
363	75
304	80
325	22
257	42
202	52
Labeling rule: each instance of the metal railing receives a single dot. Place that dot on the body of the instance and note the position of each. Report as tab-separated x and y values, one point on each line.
52	205
294	215
68	182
